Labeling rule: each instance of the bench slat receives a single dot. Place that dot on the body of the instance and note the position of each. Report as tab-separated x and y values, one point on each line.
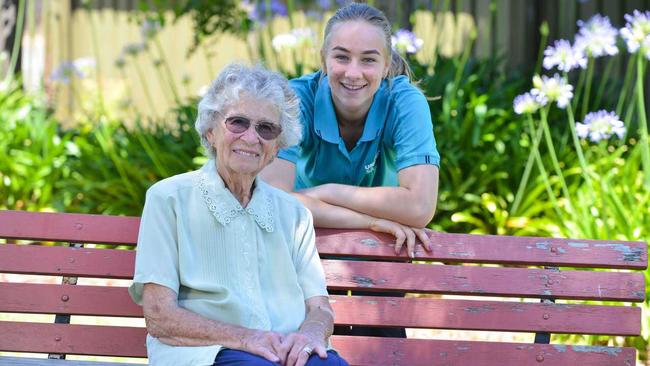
485	281
24	361
359	351
374	351
66	261
68	227
355	310
385	276
73	339
449	248
487	315
67	299
469	248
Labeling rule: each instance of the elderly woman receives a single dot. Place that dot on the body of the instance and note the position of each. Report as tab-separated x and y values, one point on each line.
226	270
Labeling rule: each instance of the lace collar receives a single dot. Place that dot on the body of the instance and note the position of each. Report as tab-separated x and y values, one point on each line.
225	207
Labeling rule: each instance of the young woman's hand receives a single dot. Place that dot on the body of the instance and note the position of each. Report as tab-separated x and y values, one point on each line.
403	234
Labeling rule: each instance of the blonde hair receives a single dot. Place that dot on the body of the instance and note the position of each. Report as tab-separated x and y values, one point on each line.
374	16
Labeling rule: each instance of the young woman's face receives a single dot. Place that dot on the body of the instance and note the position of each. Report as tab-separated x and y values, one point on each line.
356	61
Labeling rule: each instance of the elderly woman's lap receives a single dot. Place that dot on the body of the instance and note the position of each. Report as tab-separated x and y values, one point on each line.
231	357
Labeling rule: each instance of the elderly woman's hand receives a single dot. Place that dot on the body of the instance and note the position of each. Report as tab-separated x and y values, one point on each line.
402	234
265	344
300	345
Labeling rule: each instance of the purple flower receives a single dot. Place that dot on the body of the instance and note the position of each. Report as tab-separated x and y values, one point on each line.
600	125
526	104
257	11
637	32
405	41
597	37
325	4
564	56
555	89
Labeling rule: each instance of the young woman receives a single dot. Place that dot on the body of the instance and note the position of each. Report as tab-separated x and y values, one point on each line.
368	157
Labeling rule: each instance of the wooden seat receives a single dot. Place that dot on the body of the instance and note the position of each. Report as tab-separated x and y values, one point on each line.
485	297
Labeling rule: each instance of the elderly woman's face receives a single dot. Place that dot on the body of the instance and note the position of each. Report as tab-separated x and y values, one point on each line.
245	152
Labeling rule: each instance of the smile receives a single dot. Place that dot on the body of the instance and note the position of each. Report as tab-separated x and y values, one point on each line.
353	87
246	153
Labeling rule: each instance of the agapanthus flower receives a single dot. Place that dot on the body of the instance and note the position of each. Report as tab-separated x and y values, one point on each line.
600	125
133	49
298	37
526	104
405	41
564	56
555	89
637	31
149	28
257	12
597	37
68	70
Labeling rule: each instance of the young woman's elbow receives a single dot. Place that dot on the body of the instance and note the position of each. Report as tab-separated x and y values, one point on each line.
422	214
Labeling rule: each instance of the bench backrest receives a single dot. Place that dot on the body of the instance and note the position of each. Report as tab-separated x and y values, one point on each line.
483	297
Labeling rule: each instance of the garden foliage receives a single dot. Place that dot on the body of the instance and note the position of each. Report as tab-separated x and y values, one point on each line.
562	153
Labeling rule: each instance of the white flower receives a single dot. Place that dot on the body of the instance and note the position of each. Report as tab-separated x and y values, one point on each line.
597	37
637	32
600	125
564	56
149	28
555	89
526	104
298	37
284	41
405	41
68	70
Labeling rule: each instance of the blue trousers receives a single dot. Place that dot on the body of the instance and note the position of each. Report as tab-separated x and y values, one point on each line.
231	357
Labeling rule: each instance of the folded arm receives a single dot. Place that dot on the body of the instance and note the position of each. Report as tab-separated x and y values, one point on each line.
333	211
413	203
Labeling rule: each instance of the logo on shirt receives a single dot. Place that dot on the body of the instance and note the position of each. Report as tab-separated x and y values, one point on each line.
370	168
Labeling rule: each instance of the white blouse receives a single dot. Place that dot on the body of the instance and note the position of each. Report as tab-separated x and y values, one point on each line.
252	266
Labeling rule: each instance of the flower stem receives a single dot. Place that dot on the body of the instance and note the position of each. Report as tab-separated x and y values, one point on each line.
145	87
626	85
579	86
170	76
554	161
604	79
643	122
585	97
98	63
18	36
576	143
536	137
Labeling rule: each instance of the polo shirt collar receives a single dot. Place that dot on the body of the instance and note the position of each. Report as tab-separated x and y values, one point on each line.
225	207
325	116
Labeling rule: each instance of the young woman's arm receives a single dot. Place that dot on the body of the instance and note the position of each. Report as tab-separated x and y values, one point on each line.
281	174
413	203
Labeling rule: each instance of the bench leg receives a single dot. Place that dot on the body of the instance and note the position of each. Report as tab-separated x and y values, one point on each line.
64	318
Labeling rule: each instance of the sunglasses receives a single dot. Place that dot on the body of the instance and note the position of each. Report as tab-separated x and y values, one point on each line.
266	130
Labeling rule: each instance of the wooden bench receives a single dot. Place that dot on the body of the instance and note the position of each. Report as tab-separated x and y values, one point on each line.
485	297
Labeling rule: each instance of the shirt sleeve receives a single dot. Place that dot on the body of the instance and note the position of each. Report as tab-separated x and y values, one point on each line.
413	136
156	258
309	269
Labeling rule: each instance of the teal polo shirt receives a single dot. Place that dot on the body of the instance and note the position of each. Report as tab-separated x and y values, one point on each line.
398	133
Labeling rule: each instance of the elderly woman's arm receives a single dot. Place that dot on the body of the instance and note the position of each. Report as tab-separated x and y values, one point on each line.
176	326
313	334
